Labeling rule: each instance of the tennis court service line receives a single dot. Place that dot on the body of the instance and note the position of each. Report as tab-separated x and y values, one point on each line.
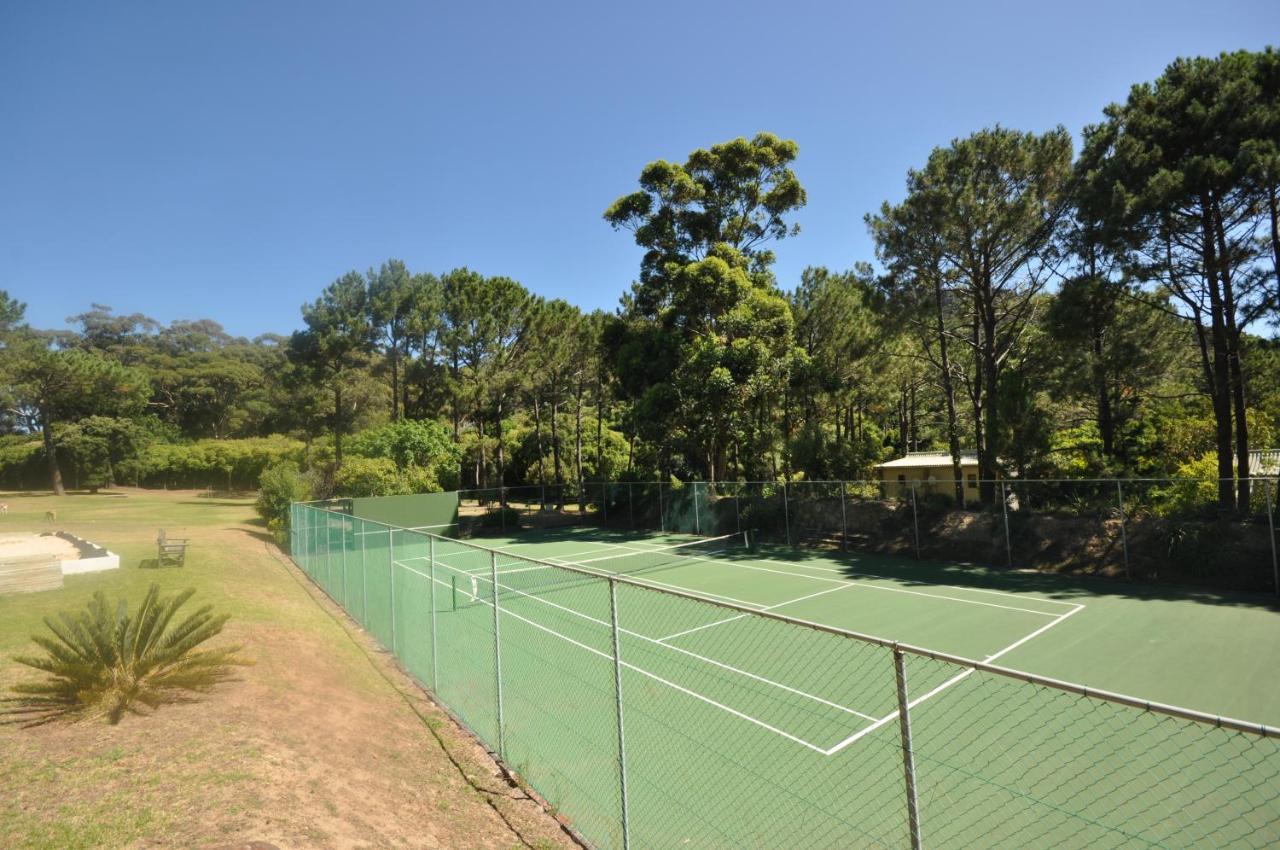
850	581
765	608
711	661
682	651
959	677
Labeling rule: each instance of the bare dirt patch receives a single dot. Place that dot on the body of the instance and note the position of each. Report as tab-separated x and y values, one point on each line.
323	743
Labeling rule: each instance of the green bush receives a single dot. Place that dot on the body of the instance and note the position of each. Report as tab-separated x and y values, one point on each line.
369	476
503	518
223	463
105	661
280	486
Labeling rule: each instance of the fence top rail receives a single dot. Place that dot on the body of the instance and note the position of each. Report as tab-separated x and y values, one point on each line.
1205	718
1172	479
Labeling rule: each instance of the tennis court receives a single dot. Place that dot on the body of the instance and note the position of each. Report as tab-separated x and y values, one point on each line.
708	722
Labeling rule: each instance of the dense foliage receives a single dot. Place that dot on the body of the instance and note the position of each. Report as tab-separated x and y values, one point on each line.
1104	312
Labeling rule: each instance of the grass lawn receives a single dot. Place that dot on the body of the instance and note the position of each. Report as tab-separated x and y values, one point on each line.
321	743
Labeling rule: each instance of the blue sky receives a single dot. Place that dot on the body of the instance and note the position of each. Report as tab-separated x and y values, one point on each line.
228	160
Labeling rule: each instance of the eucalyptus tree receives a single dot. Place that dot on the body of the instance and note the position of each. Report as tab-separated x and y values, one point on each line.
704	334
337	340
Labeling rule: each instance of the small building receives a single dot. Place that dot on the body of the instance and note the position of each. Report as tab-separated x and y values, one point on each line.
930	472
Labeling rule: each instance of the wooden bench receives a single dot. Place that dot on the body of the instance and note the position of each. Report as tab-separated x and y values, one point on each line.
172	550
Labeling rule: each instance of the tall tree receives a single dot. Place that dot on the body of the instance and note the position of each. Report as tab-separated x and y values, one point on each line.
996	201
1180	187
391	308
56	385
704	333
337	339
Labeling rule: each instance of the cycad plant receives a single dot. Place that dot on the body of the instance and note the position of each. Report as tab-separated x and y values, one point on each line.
109	662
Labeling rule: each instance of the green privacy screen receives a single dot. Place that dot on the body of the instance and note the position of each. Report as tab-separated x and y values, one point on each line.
415	511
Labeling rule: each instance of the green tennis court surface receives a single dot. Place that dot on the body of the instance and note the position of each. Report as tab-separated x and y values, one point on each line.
1216	653
740	730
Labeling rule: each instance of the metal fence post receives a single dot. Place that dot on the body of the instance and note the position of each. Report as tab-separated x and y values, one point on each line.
1008	546
1271	527
344	561
328	549
497	655
915	519
364	579
1124	534
908	755
391	575
697	525
617	701
435	655
786	512
844	519
662	512
502	508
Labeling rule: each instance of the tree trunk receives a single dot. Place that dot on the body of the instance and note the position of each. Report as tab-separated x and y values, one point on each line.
395	379
1221	376
1234	368
948	391
577	446
502	457
555	452
1273	210
482	472
599	428
989	457
337	420
537	431
50	453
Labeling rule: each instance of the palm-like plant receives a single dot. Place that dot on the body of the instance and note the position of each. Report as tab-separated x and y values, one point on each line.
112	663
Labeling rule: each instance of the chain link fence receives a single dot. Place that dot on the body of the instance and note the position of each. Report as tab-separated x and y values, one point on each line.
1140	529
654	718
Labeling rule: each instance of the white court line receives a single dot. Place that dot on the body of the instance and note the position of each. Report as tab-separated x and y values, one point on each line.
948	683
739	565
740	616
899	578
678	649
661	680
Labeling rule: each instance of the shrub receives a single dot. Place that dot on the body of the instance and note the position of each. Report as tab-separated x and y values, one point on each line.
280	486
108	662
369	476
504	518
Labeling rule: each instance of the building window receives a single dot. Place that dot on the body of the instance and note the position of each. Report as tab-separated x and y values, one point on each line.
972	481
902	479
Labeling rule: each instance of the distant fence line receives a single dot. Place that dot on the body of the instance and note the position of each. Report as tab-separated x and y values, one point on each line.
639	743
1167	529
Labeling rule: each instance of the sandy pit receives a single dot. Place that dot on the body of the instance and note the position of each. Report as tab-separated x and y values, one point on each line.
18	545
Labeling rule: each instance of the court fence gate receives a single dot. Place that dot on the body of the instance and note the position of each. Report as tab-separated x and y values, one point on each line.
775	731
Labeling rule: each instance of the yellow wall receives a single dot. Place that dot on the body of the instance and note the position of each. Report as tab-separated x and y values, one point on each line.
932	479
